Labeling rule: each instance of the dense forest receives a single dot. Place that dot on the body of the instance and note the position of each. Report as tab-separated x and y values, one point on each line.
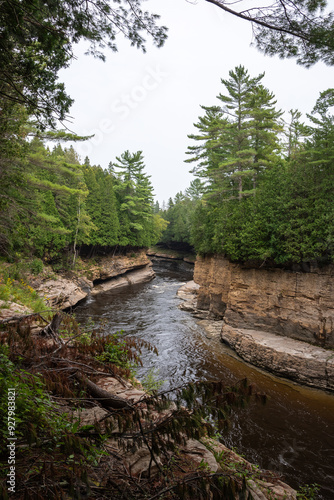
264	187
50	202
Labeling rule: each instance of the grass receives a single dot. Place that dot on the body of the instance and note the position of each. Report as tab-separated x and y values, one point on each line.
21	293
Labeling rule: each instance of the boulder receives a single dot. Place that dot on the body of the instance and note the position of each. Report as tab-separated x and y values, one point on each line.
63	292
11	309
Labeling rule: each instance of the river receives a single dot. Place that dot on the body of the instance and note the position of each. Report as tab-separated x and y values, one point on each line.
292	434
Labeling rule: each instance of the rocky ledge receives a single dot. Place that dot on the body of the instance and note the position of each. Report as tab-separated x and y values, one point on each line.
169	254
285	357
294	304
108	273
293	359
260	484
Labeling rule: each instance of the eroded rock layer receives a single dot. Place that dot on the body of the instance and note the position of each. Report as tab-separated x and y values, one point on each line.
109	272
299	305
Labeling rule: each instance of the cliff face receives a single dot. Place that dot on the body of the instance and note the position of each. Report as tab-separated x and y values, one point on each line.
292	304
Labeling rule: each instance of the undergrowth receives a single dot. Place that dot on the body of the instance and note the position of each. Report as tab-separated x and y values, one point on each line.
22	294
59	457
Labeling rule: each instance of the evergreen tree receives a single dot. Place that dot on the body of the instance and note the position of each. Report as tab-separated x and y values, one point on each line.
135	195
300	29
37	41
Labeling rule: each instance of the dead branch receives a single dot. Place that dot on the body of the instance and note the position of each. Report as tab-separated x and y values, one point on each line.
51	330
21	317
106	399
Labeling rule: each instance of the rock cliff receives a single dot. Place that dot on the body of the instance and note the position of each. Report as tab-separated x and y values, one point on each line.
272	316
299	305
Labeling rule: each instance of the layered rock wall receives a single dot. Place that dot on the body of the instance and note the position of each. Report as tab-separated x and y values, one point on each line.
299	305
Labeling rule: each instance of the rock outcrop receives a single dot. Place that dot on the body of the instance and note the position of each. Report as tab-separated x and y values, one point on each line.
188	293
134	277
109	272
12	309
293	359
110	266
64	292
282	321
298	305
169	254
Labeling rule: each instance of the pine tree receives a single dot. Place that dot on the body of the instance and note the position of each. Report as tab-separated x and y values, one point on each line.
135	195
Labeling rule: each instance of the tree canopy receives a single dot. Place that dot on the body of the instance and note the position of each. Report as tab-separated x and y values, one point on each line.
37	39
265	187
302	29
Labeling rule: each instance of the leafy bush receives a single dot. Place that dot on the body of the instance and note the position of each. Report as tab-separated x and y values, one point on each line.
116	352
36	266
34	410
21	293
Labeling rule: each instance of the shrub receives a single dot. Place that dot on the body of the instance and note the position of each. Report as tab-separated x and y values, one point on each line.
36	266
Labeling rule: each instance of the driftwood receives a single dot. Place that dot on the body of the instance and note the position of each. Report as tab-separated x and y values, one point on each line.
51	330
106	399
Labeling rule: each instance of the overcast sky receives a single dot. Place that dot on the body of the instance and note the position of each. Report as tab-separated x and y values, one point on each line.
150	101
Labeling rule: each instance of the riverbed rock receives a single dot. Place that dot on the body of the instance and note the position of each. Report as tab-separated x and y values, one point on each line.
296	360
188	294
142	275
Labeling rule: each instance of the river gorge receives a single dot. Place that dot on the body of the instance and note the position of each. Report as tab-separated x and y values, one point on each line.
292	434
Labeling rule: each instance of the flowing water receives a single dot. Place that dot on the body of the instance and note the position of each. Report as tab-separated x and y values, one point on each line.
292	434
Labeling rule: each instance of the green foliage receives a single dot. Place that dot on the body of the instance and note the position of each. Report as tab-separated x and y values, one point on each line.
180	215
36	266
50	204
81	454
300	29
151	383
263	202
115	352
35	414
21	293
308	492
32	54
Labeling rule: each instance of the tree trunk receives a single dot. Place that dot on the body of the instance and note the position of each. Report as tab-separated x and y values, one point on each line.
106	399
51	330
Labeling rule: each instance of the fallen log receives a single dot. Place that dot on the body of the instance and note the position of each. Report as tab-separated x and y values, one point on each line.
106	399
20	317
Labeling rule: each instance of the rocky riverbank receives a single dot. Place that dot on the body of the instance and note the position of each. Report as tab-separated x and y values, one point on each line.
284	356
168	254
95	276
294	304
260	484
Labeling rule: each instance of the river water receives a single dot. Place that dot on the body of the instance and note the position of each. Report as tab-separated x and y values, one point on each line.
292	434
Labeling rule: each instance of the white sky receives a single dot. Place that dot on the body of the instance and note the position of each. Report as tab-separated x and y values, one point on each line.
150	101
